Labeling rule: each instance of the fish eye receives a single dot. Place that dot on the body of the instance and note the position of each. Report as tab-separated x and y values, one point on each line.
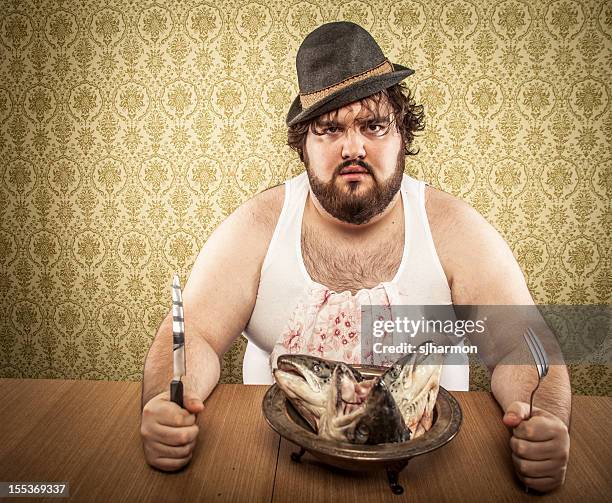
363	432
395	371
316	367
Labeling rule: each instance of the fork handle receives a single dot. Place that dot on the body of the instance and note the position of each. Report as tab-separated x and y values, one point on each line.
531	399
530	413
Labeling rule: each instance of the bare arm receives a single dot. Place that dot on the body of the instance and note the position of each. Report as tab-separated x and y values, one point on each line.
201	361
218	299
483	271
483	274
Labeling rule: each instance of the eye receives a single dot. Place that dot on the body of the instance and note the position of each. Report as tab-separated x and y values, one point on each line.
363	432
377	129
316	368
331	130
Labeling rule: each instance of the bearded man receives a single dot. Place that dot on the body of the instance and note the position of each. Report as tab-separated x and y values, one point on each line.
291	268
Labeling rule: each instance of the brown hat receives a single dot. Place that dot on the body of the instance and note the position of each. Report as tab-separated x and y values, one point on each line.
337	64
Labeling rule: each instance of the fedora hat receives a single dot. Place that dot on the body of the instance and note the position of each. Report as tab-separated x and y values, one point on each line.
339	63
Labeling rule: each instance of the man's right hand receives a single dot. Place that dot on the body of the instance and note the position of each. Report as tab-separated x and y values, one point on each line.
169	433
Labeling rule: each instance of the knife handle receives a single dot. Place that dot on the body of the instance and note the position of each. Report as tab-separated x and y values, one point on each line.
176	392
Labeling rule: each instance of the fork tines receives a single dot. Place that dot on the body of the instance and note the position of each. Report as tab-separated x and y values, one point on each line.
537	351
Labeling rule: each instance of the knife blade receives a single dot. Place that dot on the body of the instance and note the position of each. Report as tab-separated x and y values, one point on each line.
178	343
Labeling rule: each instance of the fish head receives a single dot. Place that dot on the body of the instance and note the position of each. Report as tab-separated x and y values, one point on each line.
414	381
311	384
381	420
362	412
338	403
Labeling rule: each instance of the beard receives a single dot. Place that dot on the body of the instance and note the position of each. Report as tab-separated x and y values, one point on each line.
356	203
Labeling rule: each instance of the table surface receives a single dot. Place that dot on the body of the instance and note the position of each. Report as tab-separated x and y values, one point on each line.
88	434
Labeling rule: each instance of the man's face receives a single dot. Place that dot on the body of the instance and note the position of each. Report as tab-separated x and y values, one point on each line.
355	161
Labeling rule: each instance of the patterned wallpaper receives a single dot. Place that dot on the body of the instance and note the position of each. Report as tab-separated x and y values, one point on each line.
128	131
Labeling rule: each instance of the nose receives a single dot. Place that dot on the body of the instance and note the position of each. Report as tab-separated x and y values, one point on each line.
353	145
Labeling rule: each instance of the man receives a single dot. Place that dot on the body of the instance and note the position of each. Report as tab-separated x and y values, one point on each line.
292	266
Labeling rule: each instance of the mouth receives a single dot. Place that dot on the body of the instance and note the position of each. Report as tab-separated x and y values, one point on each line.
353	396
290	369
353	169
354	173
349	407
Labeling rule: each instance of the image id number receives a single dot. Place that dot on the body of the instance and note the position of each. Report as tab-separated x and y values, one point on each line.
8	489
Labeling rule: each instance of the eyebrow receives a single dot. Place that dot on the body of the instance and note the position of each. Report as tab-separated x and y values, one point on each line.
368	120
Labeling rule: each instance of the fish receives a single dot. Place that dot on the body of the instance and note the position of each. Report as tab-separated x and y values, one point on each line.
316	387
376	421
414	382
339	404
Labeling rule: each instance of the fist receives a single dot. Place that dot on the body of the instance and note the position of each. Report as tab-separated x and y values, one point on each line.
540	446
169	432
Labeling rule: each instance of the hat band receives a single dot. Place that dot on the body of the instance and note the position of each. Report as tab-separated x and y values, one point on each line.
309	99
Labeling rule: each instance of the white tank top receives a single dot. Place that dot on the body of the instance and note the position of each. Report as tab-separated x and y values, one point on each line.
295	313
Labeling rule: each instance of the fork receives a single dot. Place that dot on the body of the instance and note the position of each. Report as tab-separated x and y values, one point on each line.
541	361
539	356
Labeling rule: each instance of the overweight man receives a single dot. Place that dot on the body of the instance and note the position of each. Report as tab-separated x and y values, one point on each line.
291	268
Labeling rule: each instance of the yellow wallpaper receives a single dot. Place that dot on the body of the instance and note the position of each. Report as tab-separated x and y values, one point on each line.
129	131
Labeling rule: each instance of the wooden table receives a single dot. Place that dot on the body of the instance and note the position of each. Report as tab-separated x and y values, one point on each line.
87	433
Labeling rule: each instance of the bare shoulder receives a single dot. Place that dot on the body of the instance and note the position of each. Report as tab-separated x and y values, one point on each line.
450	218
222	288
246	233
263	210
473	253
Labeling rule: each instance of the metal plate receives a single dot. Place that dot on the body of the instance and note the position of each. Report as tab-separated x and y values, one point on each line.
283	418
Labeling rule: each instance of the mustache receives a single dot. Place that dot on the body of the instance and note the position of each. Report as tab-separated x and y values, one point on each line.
352	162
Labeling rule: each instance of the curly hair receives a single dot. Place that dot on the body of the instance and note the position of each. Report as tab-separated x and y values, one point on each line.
409	118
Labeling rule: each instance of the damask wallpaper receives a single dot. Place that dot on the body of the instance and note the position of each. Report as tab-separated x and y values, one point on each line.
129	130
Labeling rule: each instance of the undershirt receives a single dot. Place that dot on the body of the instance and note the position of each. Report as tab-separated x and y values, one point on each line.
295	314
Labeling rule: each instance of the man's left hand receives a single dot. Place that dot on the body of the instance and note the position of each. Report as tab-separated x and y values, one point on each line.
540	446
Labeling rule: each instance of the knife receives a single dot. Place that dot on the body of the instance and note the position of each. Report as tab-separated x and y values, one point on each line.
178	343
